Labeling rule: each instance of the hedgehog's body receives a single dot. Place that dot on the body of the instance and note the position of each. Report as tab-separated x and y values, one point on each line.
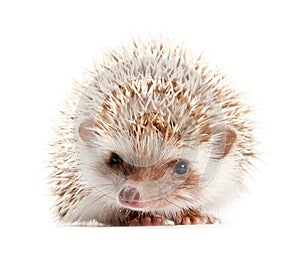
154	134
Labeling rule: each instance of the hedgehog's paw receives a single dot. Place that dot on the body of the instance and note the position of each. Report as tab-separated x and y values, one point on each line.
199	219
148	221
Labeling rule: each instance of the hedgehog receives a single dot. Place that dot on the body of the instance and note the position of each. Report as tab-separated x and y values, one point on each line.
154	135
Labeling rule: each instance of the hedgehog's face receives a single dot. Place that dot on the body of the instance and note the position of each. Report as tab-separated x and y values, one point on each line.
141	170
155	186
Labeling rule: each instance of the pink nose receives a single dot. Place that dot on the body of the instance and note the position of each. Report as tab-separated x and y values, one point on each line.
129	194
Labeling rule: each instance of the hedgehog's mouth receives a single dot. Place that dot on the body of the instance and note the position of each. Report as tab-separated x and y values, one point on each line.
130	197
136	205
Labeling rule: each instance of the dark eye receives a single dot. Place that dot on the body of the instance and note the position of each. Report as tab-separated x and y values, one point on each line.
180	168
115	159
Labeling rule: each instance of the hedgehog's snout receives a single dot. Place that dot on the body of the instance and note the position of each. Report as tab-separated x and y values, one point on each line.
131	197
129	194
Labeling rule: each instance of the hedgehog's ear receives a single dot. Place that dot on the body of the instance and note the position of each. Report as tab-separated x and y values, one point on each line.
223	142
86	131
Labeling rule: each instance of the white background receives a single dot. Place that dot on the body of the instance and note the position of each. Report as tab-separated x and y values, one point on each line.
45	44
